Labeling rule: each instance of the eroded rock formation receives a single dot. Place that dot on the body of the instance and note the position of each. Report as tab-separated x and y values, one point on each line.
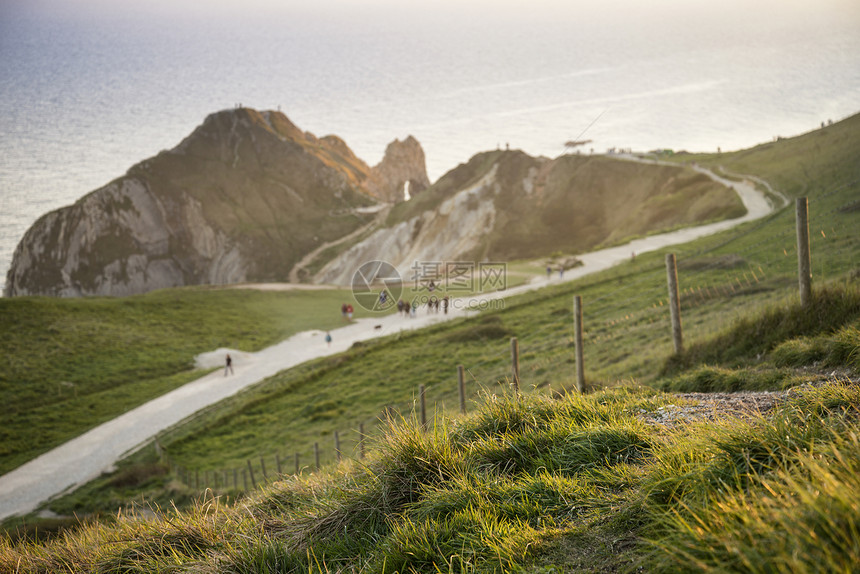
242	198
507	205
403	165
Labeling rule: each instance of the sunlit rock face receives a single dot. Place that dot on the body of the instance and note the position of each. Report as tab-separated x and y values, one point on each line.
506	205
403	168
242	198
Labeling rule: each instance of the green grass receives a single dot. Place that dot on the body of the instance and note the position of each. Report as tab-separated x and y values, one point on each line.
744	275
591	488
579	483
752	337
74	363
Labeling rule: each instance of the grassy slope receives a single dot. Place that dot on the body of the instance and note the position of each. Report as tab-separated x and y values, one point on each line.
576	203
275	197
74	363
582	202
724	277
579	484
627	337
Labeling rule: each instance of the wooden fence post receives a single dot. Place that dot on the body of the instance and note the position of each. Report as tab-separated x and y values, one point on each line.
515	364
263	466
577	340
422	403
236	479
674	301
245	479
251	474
361	439
297	463
461	384
804	260
278	463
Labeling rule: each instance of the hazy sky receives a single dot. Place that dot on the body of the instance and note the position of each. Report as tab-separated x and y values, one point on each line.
539	9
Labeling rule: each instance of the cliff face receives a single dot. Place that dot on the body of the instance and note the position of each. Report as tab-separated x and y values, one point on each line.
242	198
122	240
397	170
503	206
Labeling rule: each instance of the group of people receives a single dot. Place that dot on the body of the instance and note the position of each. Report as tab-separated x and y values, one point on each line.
433	304
346	311
407	309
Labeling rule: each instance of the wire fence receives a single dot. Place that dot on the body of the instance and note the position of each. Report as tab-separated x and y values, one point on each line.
758	257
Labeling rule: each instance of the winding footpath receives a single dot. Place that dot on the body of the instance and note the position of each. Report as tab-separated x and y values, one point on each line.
82	459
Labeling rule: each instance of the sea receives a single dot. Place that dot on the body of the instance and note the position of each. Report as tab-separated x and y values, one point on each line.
89	88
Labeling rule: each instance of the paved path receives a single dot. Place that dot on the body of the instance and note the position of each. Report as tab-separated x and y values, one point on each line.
80	460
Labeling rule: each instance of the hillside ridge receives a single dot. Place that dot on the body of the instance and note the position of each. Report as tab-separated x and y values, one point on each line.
242	198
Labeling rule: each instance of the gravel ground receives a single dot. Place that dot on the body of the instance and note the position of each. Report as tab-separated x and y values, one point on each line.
713	407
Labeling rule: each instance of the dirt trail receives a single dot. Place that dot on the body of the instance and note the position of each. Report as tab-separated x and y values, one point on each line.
80	460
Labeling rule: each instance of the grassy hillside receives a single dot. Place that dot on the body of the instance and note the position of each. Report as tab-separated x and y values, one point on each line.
574	203
817	162
581	202
74	363
747	271
577	484
545	484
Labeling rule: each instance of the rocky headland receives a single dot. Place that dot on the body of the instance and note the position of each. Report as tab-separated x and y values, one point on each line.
507	205
250	197
242	198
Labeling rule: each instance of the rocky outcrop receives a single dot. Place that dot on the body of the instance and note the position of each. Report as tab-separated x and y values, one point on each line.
402	169
503	206
248	195
242	198
118	241
452	232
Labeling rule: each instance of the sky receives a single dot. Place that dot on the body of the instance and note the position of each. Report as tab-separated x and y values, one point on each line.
489	9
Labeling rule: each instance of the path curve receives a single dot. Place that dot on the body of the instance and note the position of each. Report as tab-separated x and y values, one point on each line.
82	459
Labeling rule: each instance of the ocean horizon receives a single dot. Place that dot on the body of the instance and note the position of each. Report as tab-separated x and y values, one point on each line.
89	89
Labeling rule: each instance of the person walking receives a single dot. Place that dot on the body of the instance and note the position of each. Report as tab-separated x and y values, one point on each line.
229	365
328	339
